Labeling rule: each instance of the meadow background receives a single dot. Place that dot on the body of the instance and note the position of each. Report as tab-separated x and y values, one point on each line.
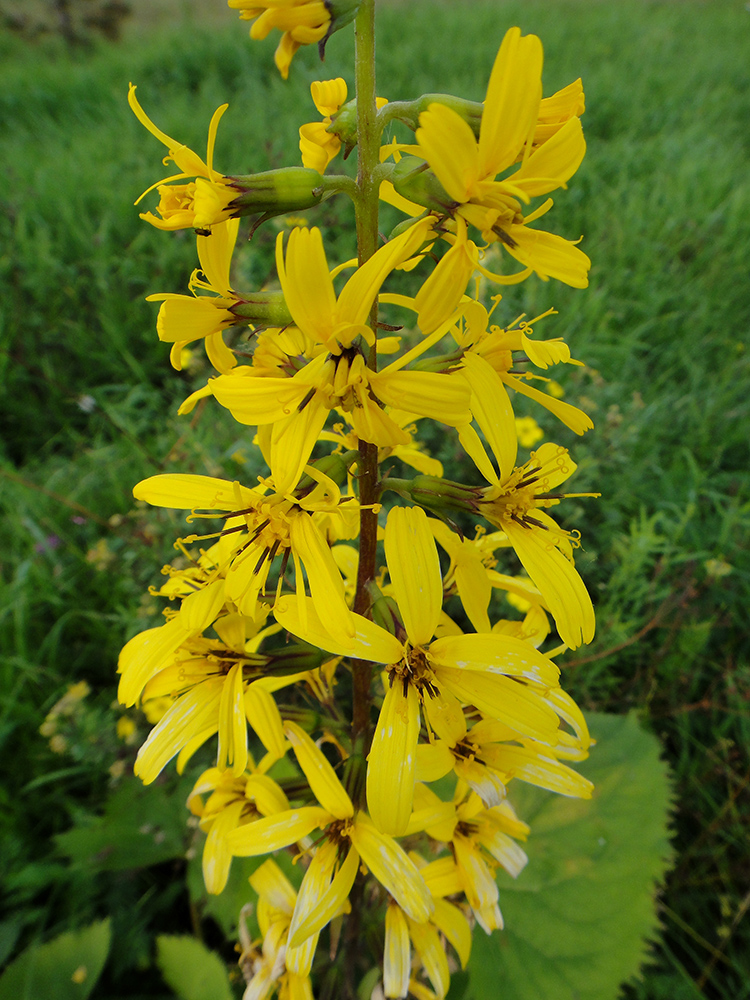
88	408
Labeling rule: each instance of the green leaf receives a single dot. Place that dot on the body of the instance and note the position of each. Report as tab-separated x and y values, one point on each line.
141	826
579	916
66	968
193	972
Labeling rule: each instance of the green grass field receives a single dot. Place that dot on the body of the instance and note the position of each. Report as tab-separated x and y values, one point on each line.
88	407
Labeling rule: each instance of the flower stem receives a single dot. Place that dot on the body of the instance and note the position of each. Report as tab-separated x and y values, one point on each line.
368	156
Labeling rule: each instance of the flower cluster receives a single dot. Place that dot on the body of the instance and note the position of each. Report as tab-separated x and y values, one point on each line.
391	699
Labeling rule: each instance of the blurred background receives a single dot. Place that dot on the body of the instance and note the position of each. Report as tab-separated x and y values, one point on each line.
88	408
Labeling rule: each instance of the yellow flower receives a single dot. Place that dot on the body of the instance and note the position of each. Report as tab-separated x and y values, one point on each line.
303	22
401	932
487	756
348	837
528	431
317	145
468	572
185	318
517	505
486	364
468	169
412	453
219	686
503	677
481	840
233	800
202	202
261	526
298	406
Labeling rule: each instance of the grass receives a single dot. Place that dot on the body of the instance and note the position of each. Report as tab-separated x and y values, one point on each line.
89	408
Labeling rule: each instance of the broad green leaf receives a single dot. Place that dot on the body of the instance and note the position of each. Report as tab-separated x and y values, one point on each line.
66	968
193	972
141	826
579	916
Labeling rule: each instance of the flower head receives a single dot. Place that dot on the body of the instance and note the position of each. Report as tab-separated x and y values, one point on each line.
468	168
200	203
302	22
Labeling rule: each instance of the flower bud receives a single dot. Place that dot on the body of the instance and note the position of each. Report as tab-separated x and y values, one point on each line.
274	192
439	496
294	659
470	111
413	179
263	309
344	126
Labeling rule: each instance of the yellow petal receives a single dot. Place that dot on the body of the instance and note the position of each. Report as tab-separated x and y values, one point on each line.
492	410
292	442
550	255
324	577
512	102
217	857
448	144
393	868
397	953
264	717
328	95
257	400
442	877
414	569
451	922
553	163
360	290
186	318
272	884
571	416
306	283
428	946
215	254
560	583
496	654
370	641
274	832
391	765
504	699
192	713
198	610
145	655
446	717
185	492
266	795
434	761
324	890
322	779
427	394
232	749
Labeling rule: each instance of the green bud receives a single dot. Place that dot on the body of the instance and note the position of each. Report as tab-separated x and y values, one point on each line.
334	466
406	224
470	111
294	659
263	309
384	610
274	192
439	496
344	125
413	179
